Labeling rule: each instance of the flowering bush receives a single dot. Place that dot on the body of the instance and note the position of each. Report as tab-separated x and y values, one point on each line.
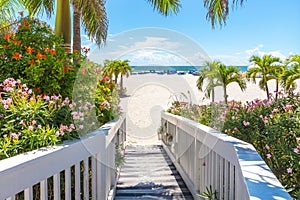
28	121
35	55
272	126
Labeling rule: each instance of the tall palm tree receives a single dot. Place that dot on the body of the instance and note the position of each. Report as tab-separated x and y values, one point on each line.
265	67
111	68
125	70
209	73
292	74
227	75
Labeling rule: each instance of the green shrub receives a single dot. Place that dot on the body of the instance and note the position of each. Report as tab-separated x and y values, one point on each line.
30	121
272	126
35	55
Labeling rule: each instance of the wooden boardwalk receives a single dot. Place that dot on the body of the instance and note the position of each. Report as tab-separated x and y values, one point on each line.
148	173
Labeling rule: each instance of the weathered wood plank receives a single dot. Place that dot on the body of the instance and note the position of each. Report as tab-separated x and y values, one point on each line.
148	173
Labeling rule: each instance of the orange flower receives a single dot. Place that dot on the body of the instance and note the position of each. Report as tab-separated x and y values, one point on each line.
17	42
53	52
29	50
75	51
31	62
4	46
47	49
6	37
38	90
83	72
67	69
17	56
40	56
19	27
25	22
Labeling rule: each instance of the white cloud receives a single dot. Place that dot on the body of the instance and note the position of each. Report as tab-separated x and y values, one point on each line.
153	57
242	58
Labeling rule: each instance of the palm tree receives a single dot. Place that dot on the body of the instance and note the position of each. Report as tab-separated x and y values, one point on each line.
7	14
111	68
126	70
265	67
93	16
218	10
227	75
209	73
290	75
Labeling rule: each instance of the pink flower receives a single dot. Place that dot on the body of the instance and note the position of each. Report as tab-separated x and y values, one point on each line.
296	150
6	107
33	122
289	170
57	133
267	147
30	128
288	107
80	126
246	123
40	126
46	98
268	155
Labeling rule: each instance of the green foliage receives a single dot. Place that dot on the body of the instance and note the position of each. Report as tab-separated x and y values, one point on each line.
35	55
272	126
209	194
29	122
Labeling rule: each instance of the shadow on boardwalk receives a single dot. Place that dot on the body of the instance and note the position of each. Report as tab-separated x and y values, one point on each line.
148	173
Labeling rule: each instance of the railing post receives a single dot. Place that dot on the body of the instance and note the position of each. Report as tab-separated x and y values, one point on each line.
101	170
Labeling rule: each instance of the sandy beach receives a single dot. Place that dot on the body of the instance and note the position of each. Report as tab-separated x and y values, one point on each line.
148	94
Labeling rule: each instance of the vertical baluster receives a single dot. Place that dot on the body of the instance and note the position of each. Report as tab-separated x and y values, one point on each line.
221	188
86	179
28	194
56	186
11	198
231	183
43	190
68	188
226	180
94	182
217	174
77	181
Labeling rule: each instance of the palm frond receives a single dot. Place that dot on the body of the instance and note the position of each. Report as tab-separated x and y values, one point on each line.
165	7
94	19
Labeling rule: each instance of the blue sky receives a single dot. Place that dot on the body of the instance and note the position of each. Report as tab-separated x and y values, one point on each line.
259	27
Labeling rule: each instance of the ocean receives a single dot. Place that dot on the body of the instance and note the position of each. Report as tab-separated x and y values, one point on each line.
175	68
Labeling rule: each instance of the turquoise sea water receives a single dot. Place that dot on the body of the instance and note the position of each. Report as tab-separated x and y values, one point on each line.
175	68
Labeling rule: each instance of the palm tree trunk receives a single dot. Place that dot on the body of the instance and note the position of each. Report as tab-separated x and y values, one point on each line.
63	22
76	30
225	93
267	90
121	83
277	88
213	95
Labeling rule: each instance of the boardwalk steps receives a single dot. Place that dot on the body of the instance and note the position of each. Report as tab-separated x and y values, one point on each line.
149	174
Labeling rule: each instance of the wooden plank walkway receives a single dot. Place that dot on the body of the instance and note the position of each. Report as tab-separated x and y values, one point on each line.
148	173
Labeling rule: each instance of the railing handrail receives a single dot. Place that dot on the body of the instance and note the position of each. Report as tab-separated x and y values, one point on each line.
250	166
22	171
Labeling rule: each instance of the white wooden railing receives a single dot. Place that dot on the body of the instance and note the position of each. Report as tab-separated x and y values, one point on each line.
207	158
81	169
